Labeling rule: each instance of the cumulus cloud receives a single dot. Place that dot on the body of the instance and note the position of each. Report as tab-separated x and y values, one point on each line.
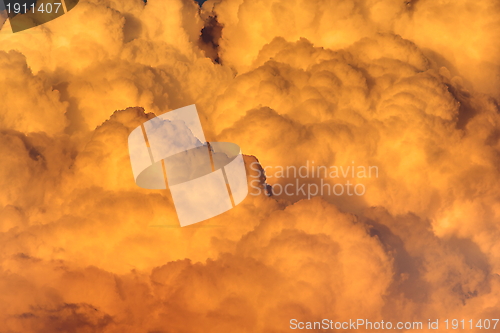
391	84
456	34
42	109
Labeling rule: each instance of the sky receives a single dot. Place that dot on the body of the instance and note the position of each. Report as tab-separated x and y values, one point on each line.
410	88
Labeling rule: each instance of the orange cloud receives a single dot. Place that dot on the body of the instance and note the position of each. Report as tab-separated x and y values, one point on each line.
390	84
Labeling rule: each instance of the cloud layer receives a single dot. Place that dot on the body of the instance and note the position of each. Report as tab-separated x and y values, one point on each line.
402	85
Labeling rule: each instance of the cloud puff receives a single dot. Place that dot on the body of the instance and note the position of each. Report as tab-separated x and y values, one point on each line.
41	108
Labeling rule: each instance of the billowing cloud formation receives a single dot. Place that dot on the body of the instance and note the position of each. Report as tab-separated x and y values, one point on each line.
379	83
22	90
456	34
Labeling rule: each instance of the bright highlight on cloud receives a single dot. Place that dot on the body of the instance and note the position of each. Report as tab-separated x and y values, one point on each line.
408	86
